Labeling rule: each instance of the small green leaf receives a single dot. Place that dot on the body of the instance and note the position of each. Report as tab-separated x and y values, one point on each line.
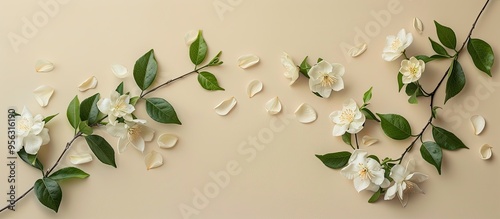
367	96
198	50
482	55
413	99
68	173
347	138
446	139
305	67
369	114
30	159
208	81
434	111
89	110
119	89
446	35
375	196
335	160
73	113
400	81
145	70
49	193
48	118
432	153
85	128
395	126
216	60
414	89
427	59
438	48
133	100
319	60
456	81
102	150
161	111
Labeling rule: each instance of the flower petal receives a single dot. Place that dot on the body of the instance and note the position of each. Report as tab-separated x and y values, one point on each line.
122	144
246	61
339	129
418	25
486	152
119	71
273	106
292	71
305	113
43	95
357	50
416	177
147	133
361	184
254	87
478	123
80	158
118	130
32	144
137	141
167	140
153	160
190	36
225	106
44	134
42	65
90	83
391	192
368	140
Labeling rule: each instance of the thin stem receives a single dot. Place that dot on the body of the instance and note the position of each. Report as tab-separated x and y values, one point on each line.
356	137
473	26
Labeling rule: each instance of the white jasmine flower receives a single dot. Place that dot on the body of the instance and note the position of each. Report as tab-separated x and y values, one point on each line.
412	70
366	172
349	119
405	181
116	106
292	70
131	132
325	77
396	45
31	133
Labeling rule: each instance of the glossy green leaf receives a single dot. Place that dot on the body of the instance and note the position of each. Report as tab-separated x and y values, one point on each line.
161	111
102	150
73	113
305	67
482	55
369	114
89	110
347	138
335	160
48	118
432	153
456	81
375	196
414	89
446	139
446	35
400	81
133	100
30	159
216	60
367	96
438	48
68	173
395	126
413	99
49	193
208	81
427	59
198	50
119	89
85	128
145	70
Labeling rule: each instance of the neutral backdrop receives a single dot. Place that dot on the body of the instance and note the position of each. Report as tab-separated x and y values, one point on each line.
283	179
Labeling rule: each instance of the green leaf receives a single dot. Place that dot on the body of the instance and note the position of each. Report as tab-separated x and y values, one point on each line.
30	159
395	126
375	196
198	50
319	60
427	59
456	81
89	110
335	160
446	35
438	48
367	96
161	111
208	81
482	55
414	89
145	70
434	111
413	99
48	118
119	89
68	173
216	60
133	100
400	81
369	114
73	113
432	153
49	193
85	128
102	150
305	67
446	139
347	138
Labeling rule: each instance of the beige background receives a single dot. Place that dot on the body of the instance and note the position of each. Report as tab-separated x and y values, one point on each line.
284	179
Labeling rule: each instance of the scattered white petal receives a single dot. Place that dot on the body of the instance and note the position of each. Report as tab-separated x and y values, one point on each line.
305	113
120	71
368	140
90	83
153	160
486	152
273	106
43	66
418	25
225	106
167	140
80	158
254	88
247	61
43	95
191	36
478	124
357	50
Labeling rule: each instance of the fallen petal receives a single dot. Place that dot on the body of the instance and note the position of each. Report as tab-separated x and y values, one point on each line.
305	113
90	83
254	87
418	25
486	152
80	158
478	124
246	61
357	50
191	36
153	160
43	66
225	106
273	106
120	71
43	95
368	140
167	141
